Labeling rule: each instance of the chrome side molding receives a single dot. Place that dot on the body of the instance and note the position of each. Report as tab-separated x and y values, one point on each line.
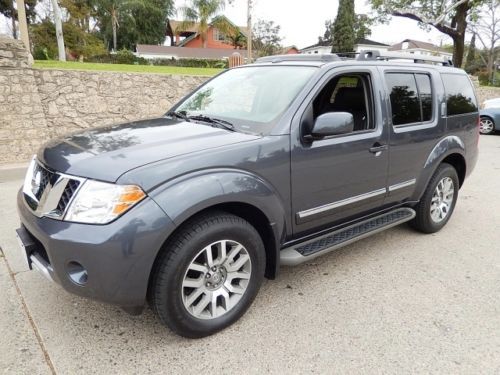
402	185
357	198
344	202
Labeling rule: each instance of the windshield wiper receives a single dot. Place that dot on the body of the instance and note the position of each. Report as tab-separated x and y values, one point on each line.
180	114
214	121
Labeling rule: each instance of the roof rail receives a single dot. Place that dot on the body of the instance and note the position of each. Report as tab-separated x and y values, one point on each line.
325	57
370	55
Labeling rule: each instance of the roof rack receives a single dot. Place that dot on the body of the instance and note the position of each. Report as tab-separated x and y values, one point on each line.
373	55
326	57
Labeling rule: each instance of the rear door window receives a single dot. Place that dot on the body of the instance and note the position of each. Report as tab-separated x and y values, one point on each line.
404	98
460	97
411	97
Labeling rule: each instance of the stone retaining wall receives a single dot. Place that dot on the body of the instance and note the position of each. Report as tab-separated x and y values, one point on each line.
39	104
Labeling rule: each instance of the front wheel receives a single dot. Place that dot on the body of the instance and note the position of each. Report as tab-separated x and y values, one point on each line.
208	275
486	125
438	202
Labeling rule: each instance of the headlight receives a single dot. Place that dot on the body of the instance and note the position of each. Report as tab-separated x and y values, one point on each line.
99	202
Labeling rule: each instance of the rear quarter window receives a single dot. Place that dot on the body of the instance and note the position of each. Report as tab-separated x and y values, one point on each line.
460	97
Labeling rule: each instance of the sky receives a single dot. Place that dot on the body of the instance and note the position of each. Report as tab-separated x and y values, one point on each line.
302	21
301	25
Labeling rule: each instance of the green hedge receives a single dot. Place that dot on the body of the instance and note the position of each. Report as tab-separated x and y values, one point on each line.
128	57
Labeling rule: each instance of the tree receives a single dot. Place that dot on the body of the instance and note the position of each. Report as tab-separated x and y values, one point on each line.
486	26
200	13
343	27
470	62
327	35
237	39
362	26
362	29
447	16
139	21
59	30
8	9
78	43
266	38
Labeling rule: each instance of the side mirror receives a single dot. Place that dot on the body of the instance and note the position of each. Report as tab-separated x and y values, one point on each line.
331	123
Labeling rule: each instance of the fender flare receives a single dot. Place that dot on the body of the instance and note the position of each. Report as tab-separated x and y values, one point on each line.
189	194
443	148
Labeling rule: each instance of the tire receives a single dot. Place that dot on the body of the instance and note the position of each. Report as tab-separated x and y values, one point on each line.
184	268
427	219
486	126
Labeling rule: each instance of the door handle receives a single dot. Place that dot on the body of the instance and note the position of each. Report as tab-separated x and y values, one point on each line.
377	148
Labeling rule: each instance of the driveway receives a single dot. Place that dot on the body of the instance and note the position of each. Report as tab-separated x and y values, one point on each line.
396	302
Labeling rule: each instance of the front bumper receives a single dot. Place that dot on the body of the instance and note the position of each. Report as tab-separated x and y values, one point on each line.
117	257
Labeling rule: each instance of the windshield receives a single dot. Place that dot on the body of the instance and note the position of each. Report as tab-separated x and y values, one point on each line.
251	98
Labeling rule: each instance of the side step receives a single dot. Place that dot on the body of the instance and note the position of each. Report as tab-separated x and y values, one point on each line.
305	251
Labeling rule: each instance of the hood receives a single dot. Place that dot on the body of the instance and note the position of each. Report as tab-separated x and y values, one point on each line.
108	152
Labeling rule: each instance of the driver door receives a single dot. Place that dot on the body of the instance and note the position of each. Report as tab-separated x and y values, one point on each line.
339	177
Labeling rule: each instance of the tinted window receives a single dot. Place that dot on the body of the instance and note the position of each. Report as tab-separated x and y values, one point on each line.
460	96
425	92
404	98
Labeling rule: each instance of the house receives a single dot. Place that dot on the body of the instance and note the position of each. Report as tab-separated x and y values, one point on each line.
190	38
422	48
364	44
186	43
289	50
361	44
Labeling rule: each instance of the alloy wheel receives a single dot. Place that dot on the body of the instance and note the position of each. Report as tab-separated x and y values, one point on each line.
216	279
486	126
442	199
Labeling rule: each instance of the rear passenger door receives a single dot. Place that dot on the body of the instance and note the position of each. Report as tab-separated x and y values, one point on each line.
414	103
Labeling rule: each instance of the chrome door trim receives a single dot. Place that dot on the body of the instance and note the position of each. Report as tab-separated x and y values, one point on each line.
344	202
402	185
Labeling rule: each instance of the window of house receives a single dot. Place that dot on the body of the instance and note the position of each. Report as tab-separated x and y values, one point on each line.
410	96
219	36
348	93
460	96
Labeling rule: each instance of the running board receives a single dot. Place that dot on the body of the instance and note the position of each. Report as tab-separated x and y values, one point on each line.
305	251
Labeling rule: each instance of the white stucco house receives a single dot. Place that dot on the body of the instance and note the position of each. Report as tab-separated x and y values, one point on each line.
361	45
421	48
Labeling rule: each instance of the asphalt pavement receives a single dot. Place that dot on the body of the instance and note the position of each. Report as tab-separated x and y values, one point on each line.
397	302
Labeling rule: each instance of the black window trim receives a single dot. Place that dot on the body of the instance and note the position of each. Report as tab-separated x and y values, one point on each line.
418	123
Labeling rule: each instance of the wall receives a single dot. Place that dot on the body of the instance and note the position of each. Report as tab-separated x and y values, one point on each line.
37	105
22	118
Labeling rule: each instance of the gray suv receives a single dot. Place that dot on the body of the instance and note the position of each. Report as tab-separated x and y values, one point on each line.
269	164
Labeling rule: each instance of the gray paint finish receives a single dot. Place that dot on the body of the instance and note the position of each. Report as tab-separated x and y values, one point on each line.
302	188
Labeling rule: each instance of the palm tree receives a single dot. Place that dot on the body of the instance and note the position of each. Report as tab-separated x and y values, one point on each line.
201	12
59	30
237	39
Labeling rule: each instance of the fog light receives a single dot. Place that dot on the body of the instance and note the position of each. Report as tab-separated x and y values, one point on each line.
77	273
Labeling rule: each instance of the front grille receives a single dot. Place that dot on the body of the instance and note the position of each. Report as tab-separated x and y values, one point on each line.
46	177
67	194
48	193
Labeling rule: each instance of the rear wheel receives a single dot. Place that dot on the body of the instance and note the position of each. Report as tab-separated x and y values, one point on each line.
208	275
438	202
486	125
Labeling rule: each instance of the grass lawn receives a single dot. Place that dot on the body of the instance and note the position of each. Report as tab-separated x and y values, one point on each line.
49	64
